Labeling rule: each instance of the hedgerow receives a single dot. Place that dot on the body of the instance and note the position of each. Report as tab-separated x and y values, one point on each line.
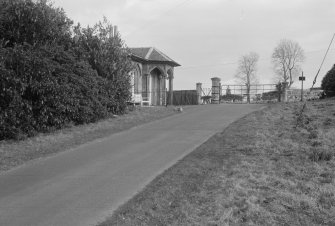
51	77
328	83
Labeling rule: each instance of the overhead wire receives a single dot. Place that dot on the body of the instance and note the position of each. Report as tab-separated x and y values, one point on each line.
316	76
305	103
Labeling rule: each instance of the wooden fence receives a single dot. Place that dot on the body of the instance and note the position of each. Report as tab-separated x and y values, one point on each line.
184	97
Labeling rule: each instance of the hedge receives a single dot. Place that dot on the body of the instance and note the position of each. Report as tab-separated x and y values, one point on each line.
51	77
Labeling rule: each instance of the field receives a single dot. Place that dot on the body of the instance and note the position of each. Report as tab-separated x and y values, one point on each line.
272	167
15	153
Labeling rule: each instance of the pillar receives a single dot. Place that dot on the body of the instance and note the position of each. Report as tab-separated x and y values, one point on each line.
164	91
216	90
147	90
283	93
199	92
161	89
171	89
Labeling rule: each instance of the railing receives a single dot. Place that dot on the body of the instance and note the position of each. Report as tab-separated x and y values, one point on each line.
156	98
240	94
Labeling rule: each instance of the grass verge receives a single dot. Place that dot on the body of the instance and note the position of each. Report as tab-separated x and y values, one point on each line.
273	167
15	153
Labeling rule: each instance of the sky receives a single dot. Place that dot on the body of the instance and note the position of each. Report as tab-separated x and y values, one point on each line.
207	37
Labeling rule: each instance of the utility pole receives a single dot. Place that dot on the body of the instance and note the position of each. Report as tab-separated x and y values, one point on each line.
302	79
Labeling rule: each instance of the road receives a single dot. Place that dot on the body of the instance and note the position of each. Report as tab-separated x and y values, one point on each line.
84	185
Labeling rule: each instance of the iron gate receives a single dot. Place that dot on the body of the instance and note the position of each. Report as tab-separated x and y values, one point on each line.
258	93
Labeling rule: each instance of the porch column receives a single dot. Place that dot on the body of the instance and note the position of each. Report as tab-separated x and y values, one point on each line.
145	93
171	89
149	88
161	89
165	91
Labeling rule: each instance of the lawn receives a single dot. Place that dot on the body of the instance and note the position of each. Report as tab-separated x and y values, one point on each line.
272	167
15	153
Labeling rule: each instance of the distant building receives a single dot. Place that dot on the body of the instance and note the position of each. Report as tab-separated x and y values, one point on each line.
152	71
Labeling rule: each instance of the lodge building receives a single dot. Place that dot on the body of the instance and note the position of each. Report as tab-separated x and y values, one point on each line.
152	78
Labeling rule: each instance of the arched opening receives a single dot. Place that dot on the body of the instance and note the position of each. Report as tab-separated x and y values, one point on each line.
137	80
156	86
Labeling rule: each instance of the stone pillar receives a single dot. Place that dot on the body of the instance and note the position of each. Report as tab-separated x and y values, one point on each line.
171	89
164	90
199	93
220	93
283	93
148	91
216	90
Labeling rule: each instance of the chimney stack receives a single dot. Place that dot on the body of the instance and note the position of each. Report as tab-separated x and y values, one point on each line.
115	31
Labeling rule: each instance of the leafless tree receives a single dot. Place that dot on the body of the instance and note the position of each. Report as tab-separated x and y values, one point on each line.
246	71
286	59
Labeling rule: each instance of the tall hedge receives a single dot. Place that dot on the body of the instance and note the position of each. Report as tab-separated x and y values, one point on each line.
328	82
51	77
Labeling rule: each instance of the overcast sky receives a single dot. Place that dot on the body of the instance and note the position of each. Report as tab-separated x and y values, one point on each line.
207	37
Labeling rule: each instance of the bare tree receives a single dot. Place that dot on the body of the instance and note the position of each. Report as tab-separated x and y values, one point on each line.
286	58
246	71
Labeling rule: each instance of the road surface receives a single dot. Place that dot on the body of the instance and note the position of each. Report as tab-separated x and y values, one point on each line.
84	185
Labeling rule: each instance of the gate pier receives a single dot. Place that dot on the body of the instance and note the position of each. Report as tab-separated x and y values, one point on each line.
216	87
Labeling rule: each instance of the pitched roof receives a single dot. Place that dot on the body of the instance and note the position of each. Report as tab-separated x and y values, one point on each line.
152	54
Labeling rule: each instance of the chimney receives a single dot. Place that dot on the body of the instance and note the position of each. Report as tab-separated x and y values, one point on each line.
115	31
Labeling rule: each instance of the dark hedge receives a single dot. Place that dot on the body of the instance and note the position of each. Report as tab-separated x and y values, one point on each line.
328	83
51	77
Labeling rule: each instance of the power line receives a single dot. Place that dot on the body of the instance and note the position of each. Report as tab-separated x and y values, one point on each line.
323	61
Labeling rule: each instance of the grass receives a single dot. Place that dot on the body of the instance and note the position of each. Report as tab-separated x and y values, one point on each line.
273	167
15	153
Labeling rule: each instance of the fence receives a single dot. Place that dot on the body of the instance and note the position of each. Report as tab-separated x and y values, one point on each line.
184	97
240	94
257	93
162	97
308	94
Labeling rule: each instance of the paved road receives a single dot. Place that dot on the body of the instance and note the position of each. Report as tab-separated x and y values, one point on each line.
84	185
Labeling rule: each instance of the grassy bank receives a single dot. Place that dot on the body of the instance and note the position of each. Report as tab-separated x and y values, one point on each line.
273	167
15	153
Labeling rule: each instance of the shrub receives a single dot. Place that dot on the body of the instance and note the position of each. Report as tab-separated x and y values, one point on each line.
46	88
320	155
231	97
49	79
328	83
271	95
33	22
106	53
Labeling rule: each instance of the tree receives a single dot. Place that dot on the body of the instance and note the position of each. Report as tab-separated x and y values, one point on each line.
53	74
34	22
246	71
107	54
328	82
286	58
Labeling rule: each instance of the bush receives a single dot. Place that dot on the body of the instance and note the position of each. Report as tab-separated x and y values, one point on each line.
49	79
328	83
33	22
46	88
271	95
231	97
320	155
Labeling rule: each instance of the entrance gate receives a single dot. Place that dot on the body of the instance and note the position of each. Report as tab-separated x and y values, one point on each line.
258	93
